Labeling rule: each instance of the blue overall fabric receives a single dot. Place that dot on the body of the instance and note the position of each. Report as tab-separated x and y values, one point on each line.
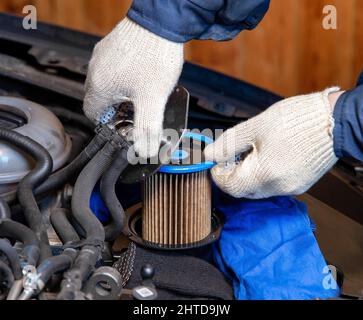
348	130
184	20
269	252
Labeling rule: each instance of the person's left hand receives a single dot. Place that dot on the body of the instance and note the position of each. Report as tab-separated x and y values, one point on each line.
286	149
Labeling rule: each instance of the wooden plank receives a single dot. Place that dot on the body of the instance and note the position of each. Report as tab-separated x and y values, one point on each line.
325	56
14	6
46	10
344	40
221	56
289	52
70	13
102	16
264	56
269	51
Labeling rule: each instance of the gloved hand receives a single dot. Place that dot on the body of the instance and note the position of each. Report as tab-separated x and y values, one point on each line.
288	148
134	64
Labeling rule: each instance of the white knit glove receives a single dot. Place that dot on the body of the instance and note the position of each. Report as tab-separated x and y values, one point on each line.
134	64
290	147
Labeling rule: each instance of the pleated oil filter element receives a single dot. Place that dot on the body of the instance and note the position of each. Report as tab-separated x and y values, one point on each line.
177	208
177	202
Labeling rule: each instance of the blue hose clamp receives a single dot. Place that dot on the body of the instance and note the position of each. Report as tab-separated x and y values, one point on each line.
181	155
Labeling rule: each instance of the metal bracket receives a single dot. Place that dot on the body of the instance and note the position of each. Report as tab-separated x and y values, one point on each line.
176	118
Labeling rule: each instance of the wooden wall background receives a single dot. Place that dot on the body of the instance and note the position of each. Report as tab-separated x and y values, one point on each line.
289	53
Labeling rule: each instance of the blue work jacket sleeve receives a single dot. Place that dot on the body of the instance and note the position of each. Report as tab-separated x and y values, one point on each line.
348	129
184	20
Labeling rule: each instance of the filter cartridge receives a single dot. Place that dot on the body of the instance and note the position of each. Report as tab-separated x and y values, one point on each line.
177	200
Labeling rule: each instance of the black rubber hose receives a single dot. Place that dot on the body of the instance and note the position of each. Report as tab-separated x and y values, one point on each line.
5	212
56	264
70	116
19	232
83	189
95	233
14	261
108	193
6	279
62	226
41	171
61	177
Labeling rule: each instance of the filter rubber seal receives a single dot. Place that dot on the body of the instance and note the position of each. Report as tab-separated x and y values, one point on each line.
182	169
132	226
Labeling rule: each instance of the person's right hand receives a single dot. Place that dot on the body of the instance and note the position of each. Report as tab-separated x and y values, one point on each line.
288	148
134	64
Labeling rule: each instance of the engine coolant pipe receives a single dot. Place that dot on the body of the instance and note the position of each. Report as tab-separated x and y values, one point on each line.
31	252
64	175
10	252
41	171
108	193
15	266
19	232
59	219
61	177
95	234
36	282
